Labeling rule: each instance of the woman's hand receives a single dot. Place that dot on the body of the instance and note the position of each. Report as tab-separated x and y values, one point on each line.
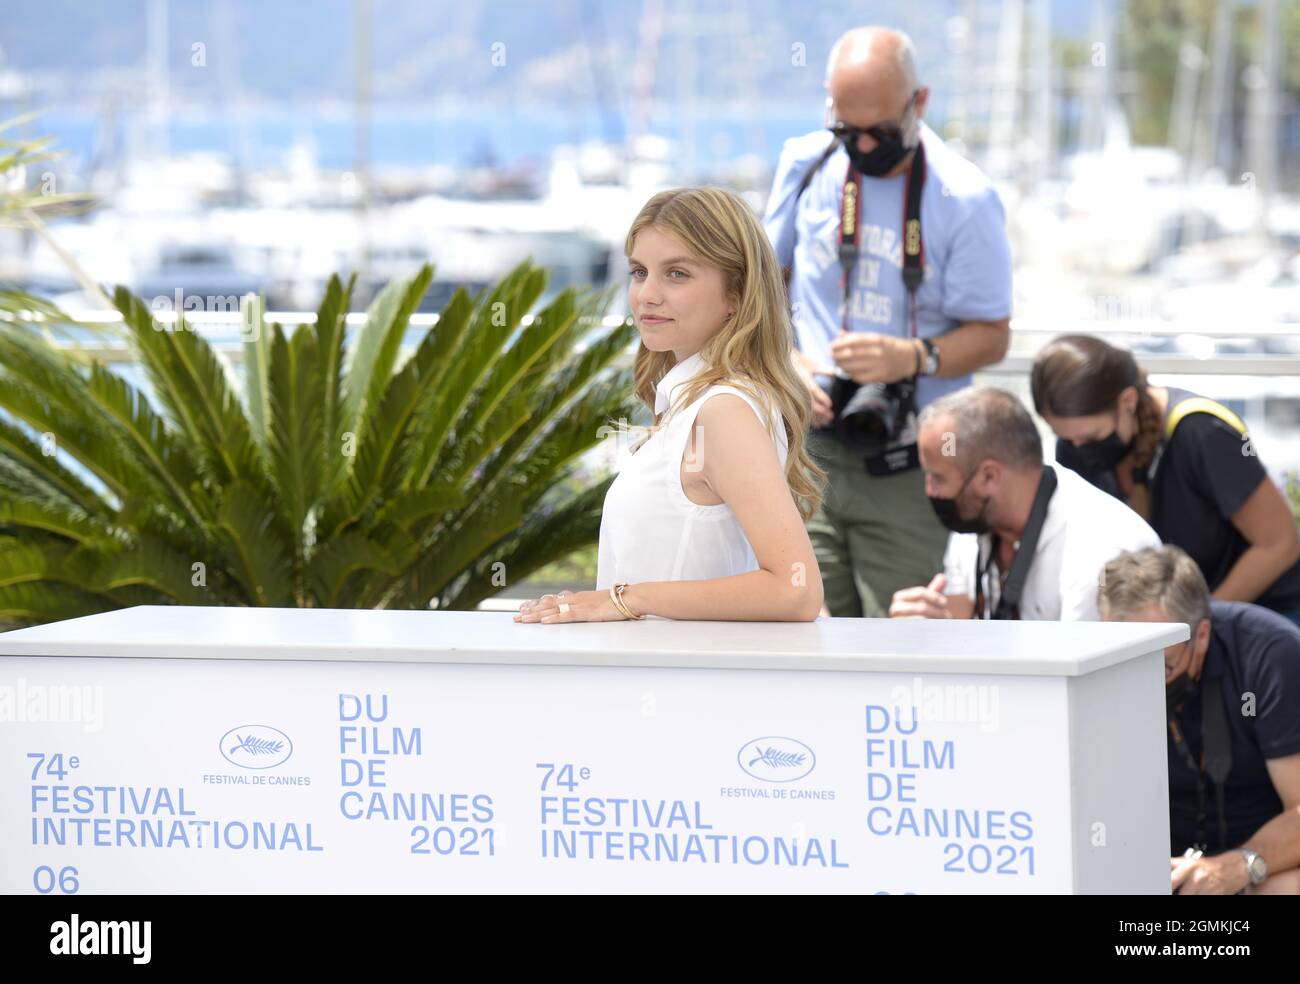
579	606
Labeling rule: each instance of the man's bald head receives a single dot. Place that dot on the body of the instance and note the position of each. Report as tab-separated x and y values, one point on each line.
875	55
870	75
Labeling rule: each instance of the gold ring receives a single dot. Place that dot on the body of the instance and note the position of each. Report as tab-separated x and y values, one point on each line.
564	607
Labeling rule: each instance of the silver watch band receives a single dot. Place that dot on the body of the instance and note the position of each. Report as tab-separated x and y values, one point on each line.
1255	867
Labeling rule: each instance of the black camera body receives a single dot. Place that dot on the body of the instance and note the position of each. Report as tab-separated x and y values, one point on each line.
877	421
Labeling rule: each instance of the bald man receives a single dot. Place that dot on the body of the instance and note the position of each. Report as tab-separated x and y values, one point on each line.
876	533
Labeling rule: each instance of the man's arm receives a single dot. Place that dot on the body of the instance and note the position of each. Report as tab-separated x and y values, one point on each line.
871	357
971	346
1277	842
977	290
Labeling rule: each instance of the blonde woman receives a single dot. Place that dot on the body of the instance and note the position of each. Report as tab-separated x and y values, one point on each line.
707	519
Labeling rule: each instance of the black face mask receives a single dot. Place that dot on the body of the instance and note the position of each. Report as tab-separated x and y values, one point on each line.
889	150
880	159
1178	690
946	510
1093	457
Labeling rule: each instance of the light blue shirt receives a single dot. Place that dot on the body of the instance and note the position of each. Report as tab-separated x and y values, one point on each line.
963	227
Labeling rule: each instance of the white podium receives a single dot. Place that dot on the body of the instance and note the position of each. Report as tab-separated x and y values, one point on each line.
245	750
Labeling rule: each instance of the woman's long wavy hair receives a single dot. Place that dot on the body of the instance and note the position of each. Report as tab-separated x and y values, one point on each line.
752	350
1080	375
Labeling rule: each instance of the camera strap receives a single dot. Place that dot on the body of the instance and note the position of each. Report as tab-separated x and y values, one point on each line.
913	244
1008	606
904	457
1216	757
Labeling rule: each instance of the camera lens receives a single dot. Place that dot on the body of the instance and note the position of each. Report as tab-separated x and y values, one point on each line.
867	421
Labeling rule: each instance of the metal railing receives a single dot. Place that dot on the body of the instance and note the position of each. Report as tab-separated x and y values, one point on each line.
1028	335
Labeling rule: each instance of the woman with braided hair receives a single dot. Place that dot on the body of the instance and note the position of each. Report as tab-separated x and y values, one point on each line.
1183	462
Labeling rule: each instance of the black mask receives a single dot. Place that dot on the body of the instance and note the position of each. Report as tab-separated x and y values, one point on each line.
880	159
946	510
1179	689
1093	457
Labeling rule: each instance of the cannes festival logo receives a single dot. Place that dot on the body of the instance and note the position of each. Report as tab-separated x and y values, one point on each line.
776	759
256	746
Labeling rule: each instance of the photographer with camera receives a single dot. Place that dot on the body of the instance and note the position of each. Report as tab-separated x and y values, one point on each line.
899	275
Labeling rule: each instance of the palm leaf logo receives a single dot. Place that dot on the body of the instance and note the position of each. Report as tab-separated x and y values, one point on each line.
257	746
777	759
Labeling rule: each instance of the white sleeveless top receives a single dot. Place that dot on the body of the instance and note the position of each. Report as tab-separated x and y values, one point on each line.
650	530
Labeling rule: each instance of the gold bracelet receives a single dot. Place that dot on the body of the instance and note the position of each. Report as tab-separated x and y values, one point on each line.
616	596
628	608
618	602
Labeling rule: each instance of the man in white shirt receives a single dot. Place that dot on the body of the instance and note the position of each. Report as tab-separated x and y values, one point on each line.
985	477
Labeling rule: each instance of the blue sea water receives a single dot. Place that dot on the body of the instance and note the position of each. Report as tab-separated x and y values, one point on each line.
412	138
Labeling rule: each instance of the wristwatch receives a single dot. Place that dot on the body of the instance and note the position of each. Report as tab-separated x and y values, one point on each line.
1255	865
931	367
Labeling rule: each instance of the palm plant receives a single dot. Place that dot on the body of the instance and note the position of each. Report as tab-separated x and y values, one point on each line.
342	475
26	209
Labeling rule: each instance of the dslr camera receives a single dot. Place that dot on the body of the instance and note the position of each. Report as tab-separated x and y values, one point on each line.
877	421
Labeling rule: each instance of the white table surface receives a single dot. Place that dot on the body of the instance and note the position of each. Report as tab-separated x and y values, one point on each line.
846	644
